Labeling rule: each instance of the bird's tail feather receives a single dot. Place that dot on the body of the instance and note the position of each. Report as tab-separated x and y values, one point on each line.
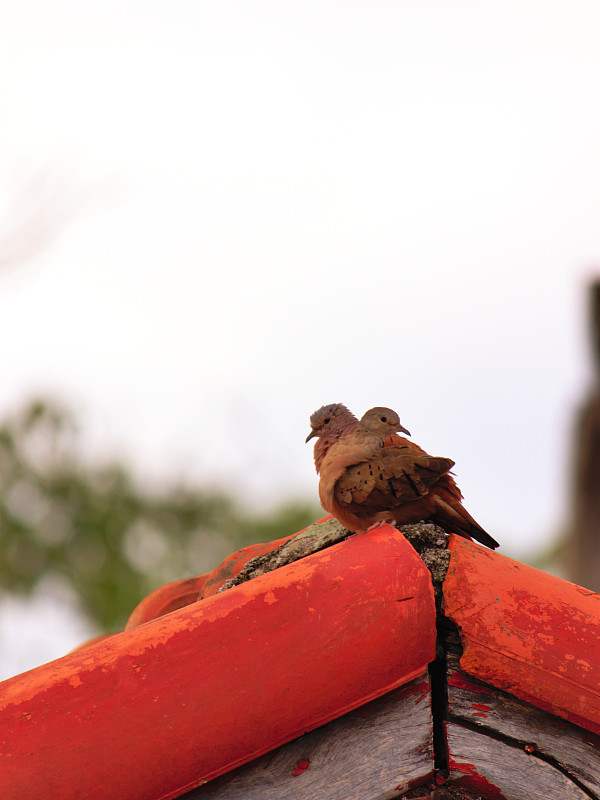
462	523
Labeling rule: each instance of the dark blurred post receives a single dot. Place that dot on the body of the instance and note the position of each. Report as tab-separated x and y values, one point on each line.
585	518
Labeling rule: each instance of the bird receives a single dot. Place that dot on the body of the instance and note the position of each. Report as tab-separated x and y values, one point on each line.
329	423
406	485
335	420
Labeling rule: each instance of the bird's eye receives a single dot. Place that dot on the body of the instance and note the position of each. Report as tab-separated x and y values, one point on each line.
383	419
327	421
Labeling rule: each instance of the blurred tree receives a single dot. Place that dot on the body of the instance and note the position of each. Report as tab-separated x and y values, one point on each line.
94	527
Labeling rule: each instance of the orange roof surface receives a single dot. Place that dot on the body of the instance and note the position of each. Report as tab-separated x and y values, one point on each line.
155	711
182	697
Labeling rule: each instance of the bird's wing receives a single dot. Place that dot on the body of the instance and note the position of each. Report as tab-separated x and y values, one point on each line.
396	475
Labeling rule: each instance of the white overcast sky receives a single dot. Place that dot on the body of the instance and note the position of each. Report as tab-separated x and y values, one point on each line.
255	208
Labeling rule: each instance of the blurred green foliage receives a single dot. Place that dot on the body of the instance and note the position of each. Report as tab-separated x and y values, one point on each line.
94	527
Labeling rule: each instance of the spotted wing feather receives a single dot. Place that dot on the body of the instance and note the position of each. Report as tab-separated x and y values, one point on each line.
394	477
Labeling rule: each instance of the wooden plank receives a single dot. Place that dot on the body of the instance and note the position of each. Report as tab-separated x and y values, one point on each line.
498	771
526	632
373	753
532	730
155	711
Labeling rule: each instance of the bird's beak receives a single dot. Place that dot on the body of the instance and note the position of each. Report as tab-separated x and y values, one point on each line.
403	429
310	436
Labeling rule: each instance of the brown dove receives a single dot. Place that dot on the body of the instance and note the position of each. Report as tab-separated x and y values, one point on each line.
406	485
329	423
333	421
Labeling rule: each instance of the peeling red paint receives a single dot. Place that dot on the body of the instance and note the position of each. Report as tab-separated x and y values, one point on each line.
416	783
479	714
422	688
301	766
424	693
463	681
481	707
526	632
473	781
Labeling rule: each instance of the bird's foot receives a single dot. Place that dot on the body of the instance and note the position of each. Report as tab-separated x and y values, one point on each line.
379	524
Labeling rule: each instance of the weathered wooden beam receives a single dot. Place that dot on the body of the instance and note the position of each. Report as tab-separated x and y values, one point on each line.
378	751
553	748
497	771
